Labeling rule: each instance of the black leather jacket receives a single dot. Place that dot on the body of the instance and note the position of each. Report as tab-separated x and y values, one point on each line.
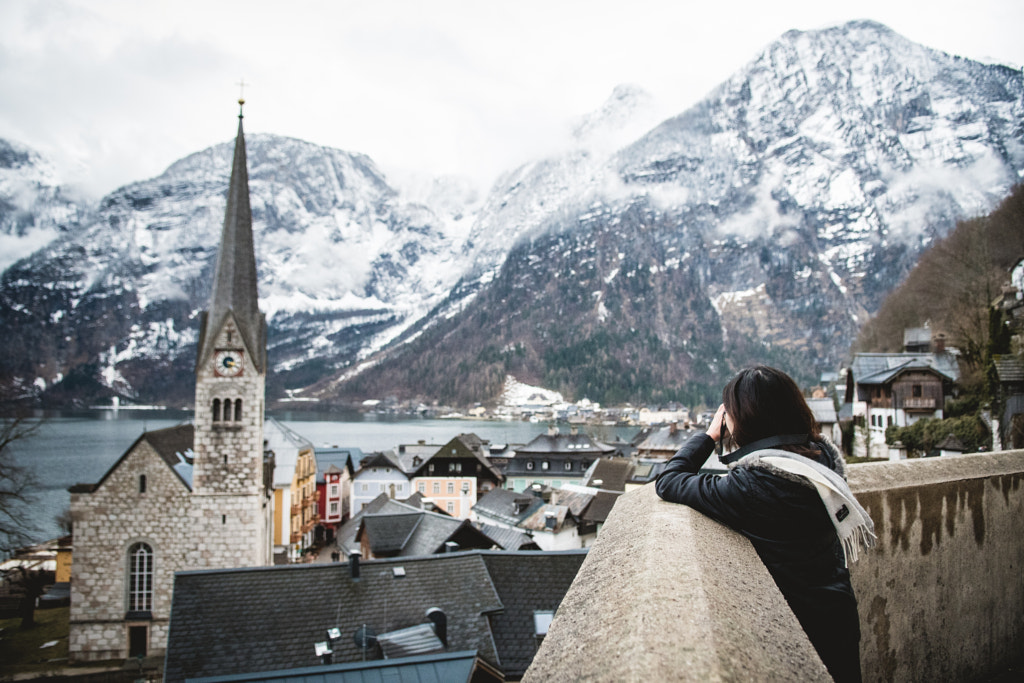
787	524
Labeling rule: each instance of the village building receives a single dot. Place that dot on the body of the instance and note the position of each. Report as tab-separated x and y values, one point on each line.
553	459
378	473
404	531
553	519
662	442
456	474
495	606
295	493
335	468
195	496
825	415
1010	423
663	415
897	389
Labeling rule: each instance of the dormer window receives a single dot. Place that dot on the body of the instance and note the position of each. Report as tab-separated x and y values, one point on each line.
568	465
529	464
545	465
541	622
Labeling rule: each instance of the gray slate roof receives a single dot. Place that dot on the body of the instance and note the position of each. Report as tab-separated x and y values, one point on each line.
506	538
413	532
237	621
824	410
338	457
1009	368
666	438
564	444
526	582
880	368
613	473
346	533
500	505
268	618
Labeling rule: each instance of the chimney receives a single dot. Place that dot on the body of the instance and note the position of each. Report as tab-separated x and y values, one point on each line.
440	621
574	430
353	565
550	519
939	343
553	430
673	428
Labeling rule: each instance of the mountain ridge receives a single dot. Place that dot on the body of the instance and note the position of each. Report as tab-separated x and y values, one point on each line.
766	222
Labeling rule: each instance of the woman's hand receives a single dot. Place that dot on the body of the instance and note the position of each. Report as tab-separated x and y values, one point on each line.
715	430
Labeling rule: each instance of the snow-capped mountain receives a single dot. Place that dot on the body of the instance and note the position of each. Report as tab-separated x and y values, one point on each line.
644	260
345	264
34	208
765	223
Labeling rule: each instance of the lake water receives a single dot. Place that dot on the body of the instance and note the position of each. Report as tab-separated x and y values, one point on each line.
79	448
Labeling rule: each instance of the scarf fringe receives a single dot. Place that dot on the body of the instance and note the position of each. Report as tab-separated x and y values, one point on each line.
861	535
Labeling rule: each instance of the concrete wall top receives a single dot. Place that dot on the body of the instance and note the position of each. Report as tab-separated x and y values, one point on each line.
876	476
668	594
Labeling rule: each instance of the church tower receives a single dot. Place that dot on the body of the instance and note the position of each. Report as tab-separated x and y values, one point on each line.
231	508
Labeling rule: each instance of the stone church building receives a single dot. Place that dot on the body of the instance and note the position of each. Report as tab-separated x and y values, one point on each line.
195	496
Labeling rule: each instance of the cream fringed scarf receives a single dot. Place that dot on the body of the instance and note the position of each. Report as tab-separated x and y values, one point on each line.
852	523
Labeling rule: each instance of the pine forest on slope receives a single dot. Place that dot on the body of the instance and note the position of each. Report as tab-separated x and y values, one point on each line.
766	223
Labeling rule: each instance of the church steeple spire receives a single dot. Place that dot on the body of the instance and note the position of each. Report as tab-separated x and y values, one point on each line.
234	285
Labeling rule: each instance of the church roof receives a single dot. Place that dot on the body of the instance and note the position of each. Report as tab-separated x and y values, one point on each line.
234	284
173	445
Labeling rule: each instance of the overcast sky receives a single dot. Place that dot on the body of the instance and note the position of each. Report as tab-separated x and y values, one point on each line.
117	90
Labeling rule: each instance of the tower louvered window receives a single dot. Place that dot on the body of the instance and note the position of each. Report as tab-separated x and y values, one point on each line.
216	410
238	410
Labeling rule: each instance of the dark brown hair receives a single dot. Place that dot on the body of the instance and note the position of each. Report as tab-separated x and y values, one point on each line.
762	402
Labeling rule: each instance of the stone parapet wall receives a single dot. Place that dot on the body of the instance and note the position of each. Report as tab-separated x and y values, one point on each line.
667	594
942	595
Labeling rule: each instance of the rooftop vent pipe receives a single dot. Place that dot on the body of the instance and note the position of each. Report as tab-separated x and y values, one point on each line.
353	564
440	621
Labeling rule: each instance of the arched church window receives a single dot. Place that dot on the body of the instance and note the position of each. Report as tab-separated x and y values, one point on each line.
238	410
216	410
227	410
140	578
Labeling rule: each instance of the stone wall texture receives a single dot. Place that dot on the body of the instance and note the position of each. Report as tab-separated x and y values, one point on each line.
226	520
942	595
107	523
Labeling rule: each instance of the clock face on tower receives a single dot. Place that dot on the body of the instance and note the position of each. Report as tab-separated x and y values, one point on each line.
227	363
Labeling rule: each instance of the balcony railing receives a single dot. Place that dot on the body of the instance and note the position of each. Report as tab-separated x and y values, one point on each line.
919	403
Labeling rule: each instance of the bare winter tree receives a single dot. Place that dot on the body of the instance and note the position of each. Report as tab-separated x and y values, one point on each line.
17	487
